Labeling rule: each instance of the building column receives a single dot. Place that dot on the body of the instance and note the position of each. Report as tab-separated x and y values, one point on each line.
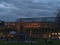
30	34
38	33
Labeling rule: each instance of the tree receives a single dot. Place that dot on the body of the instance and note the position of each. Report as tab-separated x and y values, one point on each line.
58	16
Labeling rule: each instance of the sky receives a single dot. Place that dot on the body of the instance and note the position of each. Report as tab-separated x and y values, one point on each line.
10	10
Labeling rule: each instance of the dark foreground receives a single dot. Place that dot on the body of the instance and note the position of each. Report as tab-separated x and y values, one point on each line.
40	42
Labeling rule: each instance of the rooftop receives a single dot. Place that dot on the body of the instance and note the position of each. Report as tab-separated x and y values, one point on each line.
39	19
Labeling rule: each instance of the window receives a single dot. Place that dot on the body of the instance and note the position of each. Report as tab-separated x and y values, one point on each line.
59	37
55	33
27	30
42	29
58	33
45	25
39	31
49	35
35	31
49	29
45	29
52	33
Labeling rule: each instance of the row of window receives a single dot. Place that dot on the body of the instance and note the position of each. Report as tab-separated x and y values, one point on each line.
41	30
36	31
55	33
56	37
36	24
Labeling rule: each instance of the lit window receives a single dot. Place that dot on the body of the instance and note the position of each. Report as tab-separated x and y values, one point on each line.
52	33
53	37
49	35
55	33
59	37
1	33
35	24
58	33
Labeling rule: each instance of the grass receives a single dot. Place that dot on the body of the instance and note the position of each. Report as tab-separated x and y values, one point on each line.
41	42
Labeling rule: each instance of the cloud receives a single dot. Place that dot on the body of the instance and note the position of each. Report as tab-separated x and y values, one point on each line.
45	1
13	9
7	5
38	1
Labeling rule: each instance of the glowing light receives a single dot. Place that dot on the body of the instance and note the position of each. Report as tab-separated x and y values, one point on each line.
52	33
58	33
1	33
55	33
59	37
49	35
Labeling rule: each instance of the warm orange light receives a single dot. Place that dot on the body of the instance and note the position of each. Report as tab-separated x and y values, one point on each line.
59	37
49	35
32	25
58	33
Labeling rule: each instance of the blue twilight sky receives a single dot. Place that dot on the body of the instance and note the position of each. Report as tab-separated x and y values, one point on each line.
10	10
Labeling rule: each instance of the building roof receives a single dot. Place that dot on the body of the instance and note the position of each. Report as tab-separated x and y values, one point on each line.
40	19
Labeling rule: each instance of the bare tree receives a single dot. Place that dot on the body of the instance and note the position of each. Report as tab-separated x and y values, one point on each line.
58	16
58	19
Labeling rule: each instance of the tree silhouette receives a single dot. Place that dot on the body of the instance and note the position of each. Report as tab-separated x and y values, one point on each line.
58	16
58	19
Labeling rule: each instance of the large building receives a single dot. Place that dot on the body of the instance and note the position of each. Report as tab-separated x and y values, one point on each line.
35	28
31	28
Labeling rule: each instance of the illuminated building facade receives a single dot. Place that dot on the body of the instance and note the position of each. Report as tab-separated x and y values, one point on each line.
33	29
37	29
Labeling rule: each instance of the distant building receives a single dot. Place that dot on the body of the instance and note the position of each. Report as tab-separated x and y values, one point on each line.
37	27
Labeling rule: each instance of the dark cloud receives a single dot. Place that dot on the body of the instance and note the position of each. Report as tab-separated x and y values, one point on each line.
13	9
